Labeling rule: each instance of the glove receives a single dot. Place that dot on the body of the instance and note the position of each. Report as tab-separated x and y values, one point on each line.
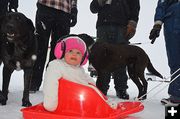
155	32
13	5
73	16
131	30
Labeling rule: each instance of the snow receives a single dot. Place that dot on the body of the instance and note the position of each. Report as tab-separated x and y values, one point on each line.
86	24
153	108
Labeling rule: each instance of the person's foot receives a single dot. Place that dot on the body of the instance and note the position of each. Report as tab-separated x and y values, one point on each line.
169	102
2	99
122	94
1	95
104	92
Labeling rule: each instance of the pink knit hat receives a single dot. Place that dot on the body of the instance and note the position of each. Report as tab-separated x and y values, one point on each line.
70	43
75	43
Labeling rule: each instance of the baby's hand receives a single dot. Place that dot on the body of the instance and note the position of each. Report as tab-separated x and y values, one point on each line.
112	104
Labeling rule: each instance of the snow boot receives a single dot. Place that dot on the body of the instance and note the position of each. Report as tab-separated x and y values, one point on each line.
122	94
169	102
2	99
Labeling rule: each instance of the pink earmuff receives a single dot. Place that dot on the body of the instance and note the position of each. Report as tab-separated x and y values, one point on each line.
60	49
85	59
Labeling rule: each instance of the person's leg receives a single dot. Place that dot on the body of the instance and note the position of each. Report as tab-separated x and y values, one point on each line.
103	81
43	29
103	78
173	53
3	7
61	28
120	81
172	35
120	75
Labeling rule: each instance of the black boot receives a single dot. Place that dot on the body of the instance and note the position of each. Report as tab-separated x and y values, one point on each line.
3	99
122	94
104	92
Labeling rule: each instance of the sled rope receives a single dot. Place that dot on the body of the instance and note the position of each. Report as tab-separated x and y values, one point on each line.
162	83
165	86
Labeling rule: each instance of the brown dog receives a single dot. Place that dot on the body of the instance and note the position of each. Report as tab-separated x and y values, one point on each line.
108	57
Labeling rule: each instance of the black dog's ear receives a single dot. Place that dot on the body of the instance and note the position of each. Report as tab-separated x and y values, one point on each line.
30	24
87	39
66	36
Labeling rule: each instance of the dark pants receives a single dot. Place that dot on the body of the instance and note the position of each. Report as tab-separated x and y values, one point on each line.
3	7
112	34
49	23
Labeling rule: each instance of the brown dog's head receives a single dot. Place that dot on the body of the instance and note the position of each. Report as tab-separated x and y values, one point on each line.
101	55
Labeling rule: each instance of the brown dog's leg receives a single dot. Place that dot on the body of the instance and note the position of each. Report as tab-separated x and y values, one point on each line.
145	86
139	86
133	75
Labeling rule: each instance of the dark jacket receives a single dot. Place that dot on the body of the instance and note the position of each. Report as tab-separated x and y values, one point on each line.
118	13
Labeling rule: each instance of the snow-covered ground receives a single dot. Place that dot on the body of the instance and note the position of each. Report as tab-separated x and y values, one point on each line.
153	108
86	24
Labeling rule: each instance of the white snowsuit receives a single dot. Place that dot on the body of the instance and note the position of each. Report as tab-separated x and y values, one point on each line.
60	69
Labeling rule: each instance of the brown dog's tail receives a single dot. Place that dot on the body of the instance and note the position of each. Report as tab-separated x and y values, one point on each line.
152	70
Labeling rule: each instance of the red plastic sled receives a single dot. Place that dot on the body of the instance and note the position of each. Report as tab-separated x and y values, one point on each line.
77	101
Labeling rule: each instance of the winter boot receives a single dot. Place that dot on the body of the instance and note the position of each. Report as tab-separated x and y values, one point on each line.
2	99
104	92
169	102
122	94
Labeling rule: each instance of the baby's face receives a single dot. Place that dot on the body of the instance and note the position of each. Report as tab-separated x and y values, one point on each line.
73	57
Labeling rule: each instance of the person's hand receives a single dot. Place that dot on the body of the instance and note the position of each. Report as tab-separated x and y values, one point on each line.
155	32
73	17
13	4
131	30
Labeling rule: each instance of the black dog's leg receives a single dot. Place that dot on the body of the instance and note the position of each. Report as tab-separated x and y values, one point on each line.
27	78
6	79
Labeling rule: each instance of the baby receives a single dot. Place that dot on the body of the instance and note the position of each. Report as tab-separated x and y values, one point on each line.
71	54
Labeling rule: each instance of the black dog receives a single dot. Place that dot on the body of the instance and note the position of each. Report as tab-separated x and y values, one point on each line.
18	51
109	57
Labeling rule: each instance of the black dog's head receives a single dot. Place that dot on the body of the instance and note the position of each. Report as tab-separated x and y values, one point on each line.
87	39
18	41
15	25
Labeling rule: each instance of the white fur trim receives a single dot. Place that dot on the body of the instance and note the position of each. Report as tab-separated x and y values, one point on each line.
158	22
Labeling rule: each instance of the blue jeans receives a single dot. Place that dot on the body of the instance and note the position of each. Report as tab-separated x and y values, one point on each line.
172	41
112	34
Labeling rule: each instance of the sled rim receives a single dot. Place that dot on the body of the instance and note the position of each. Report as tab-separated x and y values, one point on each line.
33	112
